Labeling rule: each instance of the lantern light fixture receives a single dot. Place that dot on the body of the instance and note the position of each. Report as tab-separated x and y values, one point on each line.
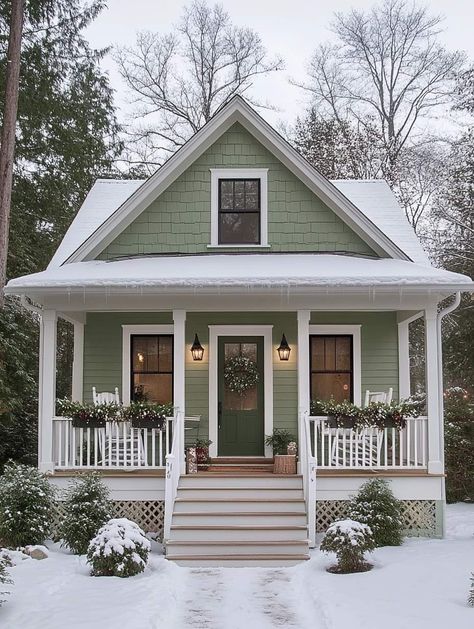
197	350
284	349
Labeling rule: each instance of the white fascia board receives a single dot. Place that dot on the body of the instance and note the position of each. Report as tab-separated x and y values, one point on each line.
237	110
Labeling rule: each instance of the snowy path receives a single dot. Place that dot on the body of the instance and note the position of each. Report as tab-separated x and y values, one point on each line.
235	598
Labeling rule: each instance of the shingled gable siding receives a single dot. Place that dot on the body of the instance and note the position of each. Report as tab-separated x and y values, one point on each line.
379	346
179	220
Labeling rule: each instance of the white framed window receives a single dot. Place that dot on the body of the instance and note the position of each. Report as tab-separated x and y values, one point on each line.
336	362
147	363
239	207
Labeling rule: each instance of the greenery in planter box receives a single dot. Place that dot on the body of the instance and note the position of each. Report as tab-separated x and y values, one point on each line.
279	440
147	414
89	415
376	414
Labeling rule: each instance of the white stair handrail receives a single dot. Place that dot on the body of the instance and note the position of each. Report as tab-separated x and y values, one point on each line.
174	462
308	468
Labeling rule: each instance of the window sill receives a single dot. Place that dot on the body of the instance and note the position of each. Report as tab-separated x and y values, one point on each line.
239	246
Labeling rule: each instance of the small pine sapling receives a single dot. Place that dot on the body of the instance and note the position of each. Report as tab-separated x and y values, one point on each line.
349	540
26	506
376	506
120	549
87	508
4	577
470	598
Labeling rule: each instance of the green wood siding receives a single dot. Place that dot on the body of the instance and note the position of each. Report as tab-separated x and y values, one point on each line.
179	220
103	355
379	346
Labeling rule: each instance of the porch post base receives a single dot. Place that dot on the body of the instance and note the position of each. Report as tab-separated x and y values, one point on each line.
46	467
435	467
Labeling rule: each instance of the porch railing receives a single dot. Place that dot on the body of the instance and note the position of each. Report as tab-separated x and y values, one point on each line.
308	470
117	446
386	448
174	468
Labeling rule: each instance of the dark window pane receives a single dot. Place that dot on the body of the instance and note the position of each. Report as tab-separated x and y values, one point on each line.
251	202
329	353
325	386
343	353
239	186
231	350
166	353
239	201
145	353
155	387
227	186
251	186
249	350
317	351
227	201
239	228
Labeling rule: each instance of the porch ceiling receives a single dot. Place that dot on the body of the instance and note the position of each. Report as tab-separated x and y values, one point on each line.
240	273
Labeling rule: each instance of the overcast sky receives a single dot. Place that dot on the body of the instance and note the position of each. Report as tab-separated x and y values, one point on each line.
291	28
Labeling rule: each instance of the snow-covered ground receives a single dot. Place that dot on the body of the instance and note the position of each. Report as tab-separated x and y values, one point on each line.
421	585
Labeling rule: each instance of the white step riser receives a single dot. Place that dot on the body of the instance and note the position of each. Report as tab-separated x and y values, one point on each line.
239	535
230	494
234	551
289	482
237	563
257	506
232	519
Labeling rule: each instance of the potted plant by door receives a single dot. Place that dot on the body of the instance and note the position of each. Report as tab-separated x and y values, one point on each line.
279	440
202	452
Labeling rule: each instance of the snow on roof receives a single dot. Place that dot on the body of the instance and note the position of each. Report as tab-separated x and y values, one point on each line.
248	270
373	198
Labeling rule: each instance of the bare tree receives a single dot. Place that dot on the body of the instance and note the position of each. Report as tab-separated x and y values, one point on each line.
7	142
387	63
179	80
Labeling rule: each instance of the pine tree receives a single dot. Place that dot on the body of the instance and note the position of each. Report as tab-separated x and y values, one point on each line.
87	508
470	599
4	577
376	506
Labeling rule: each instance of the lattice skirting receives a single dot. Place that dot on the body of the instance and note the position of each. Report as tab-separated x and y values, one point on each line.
421	517
148	514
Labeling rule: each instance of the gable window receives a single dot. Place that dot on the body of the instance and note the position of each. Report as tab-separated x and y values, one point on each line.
239	211
151	368
239	207
332	367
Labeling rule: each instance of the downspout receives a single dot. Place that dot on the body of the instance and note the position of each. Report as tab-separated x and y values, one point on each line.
441	314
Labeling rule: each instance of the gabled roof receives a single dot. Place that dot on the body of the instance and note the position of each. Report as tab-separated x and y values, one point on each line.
236	110
372	197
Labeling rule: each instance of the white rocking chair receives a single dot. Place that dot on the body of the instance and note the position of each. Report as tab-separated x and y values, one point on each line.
119	445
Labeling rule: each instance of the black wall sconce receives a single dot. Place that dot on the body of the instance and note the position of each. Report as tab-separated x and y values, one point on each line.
197	350
284	349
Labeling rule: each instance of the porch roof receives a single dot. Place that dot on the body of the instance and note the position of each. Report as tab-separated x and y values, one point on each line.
240	271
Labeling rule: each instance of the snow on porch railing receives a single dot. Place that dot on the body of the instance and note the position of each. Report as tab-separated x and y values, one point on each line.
308	470
174	467
117	446
387	448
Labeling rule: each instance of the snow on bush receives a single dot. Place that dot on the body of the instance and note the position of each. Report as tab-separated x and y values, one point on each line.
349	540
119	549
87	508
4	577
376	506
470	598
26	505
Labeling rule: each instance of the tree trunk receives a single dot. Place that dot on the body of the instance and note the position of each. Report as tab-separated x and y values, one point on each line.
7	141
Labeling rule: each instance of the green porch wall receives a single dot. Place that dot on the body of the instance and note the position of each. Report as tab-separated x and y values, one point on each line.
103	347
179	220
379	346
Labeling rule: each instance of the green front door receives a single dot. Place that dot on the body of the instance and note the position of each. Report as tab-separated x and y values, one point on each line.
240	414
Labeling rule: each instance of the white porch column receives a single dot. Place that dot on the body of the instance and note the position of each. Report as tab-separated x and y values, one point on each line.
404	384
303	317
179	367
435	454
78	362
47	390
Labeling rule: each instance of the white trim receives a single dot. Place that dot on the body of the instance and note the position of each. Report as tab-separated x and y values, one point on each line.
355	331
215	331
435	453
236	110
127	331
78	362
404	384
47	389
239	173
179	375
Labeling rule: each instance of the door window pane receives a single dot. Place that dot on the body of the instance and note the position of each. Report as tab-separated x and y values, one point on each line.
232	400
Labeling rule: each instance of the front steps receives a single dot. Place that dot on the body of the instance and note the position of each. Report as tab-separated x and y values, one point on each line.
239	519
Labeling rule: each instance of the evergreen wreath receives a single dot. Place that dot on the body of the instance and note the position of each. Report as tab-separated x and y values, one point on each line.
240	374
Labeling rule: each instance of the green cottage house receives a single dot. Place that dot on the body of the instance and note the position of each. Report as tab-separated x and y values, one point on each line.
238	261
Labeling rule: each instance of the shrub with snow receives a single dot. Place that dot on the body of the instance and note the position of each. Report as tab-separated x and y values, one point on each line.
26	505
119	549
470	598
4	576
87	508
376	506
349	540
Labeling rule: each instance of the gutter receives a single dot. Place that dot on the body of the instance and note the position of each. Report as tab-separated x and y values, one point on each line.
29	306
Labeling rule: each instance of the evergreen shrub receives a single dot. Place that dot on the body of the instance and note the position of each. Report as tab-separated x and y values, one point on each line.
4	577
376	506
120	549
87	508
349	540
459	445
26	506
